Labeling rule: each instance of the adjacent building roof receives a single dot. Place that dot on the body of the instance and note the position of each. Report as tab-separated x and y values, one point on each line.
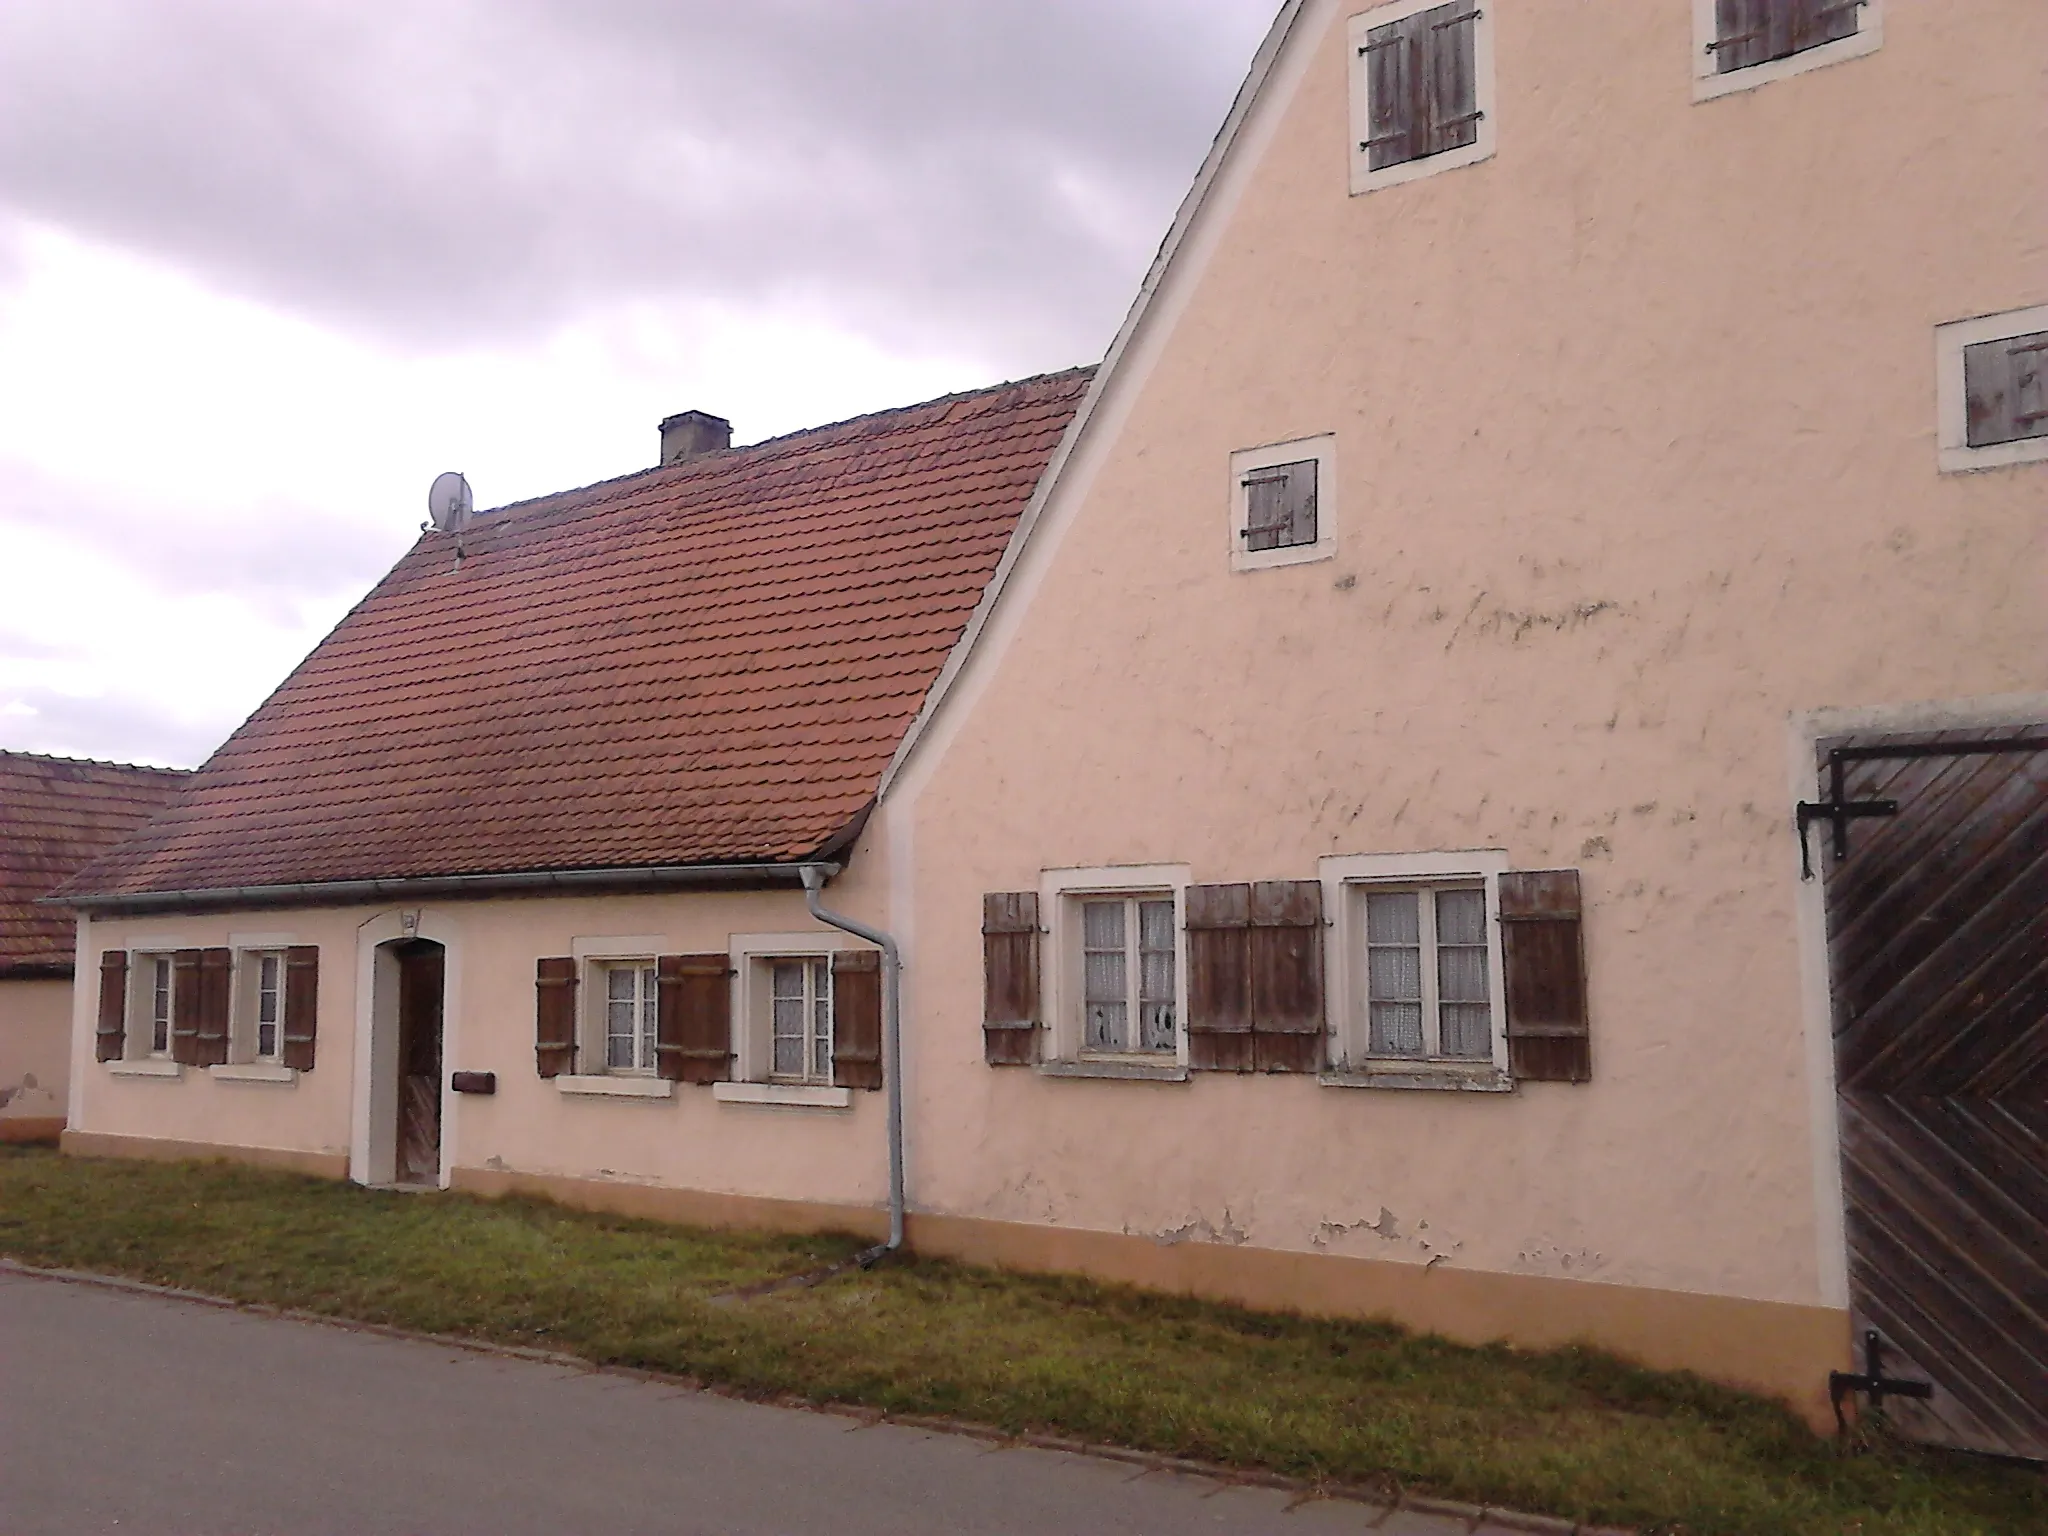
57	814
705	663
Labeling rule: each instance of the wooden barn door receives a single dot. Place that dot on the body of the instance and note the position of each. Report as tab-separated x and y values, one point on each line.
420	973
1935	855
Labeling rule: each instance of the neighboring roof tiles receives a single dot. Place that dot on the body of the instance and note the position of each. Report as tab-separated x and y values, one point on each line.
57	814
706	663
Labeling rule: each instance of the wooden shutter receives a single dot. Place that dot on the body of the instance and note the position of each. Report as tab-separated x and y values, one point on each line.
1218	920
554	1040
1009	991
1549	1039
110	1041
301	1006
216	991
1287	975
1449	46
857	1018
2003	389
1390	94
1280	506
185	1007
693	1018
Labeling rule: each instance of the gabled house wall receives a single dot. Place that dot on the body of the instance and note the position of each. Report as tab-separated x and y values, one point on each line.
1635	468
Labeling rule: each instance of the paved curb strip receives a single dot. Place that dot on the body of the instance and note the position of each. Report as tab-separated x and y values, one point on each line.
1473	1515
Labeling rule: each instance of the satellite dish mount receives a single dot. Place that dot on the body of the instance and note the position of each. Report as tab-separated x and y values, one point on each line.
449	503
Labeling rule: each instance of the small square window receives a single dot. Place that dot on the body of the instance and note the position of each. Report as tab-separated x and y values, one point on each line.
1992	383
1745	43
1280	504
1421	90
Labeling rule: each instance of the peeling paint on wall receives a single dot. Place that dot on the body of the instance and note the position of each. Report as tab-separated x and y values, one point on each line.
1199	1230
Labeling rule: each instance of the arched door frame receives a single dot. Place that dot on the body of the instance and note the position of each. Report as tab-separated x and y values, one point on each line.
373	1121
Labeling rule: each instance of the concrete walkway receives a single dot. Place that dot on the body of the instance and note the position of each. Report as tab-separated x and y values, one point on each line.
122	1412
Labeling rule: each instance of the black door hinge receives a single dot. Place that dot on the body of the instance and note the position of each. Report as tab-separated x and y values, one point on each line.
1873	1381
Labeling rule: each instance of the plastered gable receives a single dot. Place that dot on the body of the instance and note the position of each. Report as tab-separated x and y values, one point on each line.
1634	457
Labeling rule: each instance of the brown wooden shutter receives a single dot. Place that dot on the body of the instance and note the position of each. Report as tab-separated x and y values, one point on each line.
1449	50
1280	506
693	1018
554	1040
857	1018
216	991
1218	920
2003	392
301	1006
1391	97
110	1041
1287	975
1549	1039
185	1007
1009	990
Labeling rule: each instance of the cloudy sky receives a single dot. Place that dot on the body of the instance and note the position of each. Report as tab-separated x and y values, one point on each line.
267	266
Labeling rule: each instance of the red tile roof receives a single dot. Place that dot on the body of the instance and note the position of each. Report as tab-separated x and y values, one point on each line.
57	814
705	663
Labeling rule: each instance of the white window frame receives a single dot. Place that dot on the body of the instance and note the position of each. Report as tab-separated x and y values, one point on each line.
1363	177
751	955
595	991
138	1035
1322	450
1952	395
1709	83
1061	892
593	955
1346	878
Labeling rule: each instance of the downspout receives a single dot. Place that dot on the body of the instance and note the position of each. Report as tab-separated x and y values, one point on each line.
815	876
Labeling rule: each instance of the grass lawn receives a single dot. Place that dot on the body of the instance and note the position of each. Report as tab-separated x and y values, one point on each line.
1570	1432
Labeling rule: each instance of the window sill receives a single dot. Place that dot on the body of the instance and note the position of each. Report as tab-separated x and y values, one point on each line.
789	1095
253	1072
1428	1076
1243	560
146	1067
619	1087
1132	1071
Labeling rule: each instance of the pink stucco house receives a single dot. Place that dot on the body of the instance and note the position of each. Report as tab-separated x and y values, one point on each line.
1493	770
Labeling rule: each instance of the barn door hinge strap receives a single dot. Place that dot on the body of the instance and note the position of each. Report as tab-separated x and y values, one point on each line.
1836	810
1873	1381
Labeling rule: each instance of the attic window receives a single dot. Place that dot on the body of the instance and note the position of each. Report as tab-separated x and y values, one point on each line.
1280	512
1744	43
1421	90
1992	388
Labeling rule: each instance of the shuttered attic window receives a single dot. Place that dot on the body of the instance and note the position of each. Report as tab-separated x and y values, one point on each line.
1280	510
1992	390
1752	32
1740	44
1421	93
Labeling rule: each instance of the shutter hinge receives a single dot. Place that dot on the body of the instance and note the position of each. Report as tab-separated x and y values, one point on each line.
1873	1381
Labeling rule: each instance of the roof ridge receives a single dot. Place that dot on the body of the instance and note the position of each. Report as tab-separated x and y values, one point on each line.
786	439
88	762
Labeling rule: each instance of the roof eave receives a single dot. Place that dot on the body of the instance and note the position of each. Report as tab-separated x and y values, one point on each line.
538	882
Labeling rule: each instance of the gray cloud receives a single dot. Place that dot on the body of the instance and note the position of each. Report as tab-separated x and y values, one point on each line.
118	727
987	175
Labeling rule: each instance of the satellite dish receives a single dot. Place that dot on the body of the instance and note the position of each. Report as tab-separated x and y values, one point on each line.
449	502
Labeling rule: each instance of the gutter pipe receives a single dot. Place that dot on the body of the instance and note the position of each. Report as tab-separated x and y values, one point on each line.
815	876
668	877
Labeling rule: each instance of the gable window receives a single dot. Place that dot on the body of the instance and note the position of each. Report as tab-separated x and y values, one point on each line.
1743	43
1280	504
1421	90
1992	388
1128	984
630	1003
800	1019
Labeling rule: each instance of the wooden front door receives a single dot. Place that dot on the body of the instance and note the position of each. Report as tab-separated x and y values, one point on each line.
1937	918
420	971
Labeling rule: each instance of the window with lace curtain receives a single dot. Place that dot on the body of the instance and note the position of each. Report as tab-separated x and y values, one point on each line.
1428	983
1127	962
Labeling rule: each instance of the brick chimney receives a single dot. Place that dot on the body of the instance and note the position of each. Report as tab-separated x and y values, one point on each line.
692	435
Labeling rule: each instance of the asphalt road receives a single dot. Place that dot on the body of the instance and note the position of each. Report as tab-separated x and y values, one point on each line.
134	1413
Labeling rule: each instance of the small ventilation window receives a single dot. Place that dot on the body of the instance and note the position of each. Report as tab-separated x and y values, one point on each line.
1421	90
1747	43
1280	512
1992	389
